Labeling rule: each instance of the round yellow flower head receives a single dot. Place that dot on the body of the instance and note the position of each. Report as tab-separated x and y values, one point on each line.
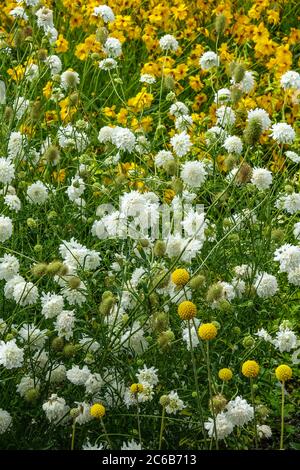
250	369
97	411
187	310
225	374
207	331
283	373
136	388
180	277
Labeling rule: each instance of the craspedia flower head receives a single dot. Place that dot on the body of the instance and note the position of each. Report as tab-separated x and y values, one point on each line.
97	410
187	310
180	277
250	369
283	373
207	331
225	374
136	388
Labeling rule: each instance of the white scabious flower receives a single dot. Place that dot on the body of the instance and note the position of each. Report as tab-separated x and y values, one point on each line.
89	446
131	445
16	145
178	109
290	80
266	285
147	78
285	340
294	277
44	18
57	374
183	123
32	336
105	12
288	256
78	376
10	285
112	47
262	115
108	64
84	415
6	228
261	178
7	171
11	356
208	60
224	426
55	408
37	193
295	357
123	138
181	144
77	255
52	304
168	43
175	404
163	157
290	203
89	344
194	225
215	134
54	63
9	267
225	116
190	335
264	431
239	412
31	72
26	383
69	137
64	324
25	293
134	338
5	421
193	174
293	156
233	144
76	188
2	92
93	384
283	133
247	84
105	134
263	334
18	12
12	202
69	79
222	96
147	375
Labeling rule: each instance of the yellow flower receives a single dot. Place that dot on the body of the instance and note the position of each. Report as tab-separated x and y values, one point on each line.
207	331
180	277
97	411
187	310
136	388
61	44
283	373
225	374
250	369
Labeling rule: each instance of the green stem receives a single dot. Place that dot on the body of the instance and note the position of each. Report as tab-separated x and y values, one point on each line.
162	427
73	434
254	413
106	435
282	416
211	395
139	424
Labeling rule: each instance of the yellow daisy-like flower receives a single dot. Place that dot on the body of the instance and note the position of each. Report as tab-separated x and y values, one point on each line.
207	331
283	373
97	411
187	310
180	277
225	374
250	369
136	388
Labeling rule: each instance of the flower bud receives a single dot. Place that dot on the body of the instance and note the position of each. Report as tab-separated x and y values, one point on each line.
164	400
39	269
214	293
217	403
253	131
57	344
197	282
248	342
220	24
159	248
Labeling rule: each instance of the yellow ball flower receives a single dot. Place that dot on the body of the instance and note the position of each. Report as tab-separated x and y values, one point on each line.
225	374
97	411
283	373
187	310
136	388
250	369
207	331
180	277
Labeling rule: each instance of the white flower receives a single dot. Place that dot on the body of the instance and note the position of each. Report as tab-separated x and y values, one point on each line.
10	285
9	267
105	12
31	72
76	188
123	138
54	63
134	338
65	323
222	96
261	178
147	375
190	335
37	193
16	144
247	83
233	144
288	256
239	411
283	133
163	157
57	374
19	12
89	446
224	426
55	408
285	340
25	293
175	404
108	64
208	60
44	18
266	285
6	228
5	421
2	92
181	144
78	376
89	344
69	79
193	174
294	277
178	109
264	431
262	115
183	123
290	79
10	355
194	225
290	203
263	334
26	383
147	78
225	116
93	384
293	156
131	445
112	47
52	304
13	202
214	134
168	43
7	171
295	357
33	336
